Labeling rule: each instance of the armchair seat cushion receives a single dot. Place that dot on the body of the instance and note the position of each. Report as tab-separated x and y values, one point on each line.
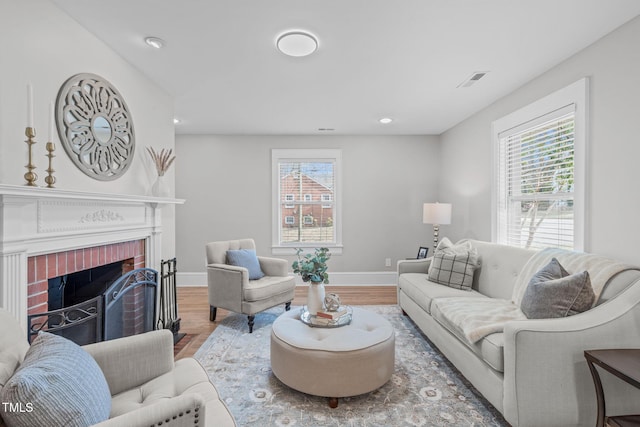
187	377
267	287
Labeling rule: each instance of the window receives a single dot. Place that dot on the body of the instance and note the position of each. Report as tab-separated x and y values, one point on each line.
326	198
289	198
539	182
306	209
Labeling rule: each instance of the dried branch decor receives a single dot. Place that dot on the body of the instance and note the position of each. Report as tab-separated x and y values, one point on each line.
162	159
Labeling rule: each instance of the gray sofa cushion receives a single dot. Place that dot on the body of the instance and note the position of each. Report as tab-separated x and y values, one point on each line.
453	265
63	384
553	292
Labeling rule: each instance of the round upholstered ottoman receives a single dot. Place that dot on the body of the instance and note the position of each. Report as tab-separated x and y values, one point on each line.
333	362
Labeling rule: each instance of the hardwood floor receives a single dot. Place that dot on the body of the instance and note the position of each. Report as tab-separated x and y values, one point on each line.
193	309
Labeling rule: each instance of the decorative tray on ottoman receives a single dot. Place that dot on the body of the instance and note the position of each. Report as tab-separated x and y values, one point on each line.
327	319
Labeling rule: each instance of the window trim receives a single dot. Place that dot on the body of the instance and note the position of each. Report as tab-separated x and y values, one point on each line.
575	94
305	155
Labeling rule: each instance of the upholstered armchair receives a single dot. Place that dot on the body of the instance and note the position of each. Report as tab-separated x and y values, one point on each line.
243	282
130	381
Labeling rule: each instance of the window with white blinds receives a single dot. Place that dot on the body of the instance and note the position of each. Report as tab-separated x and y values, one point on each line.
539	174
305	199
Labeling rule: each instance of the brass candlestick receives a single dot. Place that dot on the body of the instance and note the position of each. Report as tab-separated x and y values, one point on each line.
30	176
50	179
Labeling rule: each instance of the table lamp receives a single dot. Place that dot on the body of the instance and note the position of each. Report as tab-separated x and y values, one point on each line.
436	214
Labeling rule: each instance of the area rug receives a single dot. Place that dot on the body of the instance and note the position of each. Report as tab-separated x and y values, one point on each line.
425	390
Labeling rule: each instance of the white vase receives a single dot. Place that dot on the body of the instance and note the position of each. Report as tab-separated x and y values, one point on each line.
160	187
315	297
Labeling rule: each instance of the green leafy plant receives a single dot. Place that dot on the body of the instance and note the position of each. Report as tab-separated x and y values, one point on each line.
312	267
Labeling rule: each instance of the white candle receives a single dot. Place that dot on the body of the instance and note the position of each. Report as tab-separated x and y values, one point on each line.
30	105
51	122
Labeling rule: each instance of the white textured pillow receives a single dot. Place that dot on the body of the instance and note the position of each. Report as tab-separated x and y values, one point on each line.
58	384
453	265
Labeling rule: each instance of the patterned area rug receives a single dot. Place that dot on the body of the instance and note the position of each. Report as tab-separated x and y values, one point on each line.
425	390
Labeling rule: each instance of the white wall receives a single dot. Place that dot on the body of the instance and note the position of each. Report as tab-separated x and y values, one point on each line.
227	183
613	201
39	44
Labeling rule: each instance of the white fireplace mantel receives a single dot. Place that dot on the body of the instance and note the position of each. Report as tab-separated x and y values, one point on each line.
36	221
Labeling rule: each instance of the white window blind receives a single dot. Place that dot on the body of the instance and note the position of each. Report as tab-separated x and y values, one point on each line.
536	182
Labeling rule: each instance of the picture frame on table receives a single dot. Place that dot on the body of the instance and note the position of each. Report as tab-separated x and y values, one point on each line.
422	252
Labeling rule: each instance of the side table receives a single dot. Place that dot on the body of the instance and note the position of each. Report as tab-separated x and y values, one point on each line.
624	364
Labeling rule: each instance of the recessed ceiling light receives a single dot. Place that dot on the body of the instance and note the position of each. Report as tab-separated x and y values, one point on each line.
176	121
297	43
385	120
154	42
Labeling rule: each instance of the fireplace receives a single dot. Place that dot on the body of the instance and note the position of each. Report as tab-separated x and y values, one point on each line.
75	288
49	270
74	304
46	233
123	305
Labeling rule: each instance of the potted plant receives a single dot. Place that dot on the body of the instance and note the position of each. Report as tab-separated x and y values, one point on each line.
312	268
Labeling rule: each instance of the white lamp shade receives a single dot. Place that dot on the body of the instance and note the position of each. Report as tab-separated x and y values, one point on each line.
436	213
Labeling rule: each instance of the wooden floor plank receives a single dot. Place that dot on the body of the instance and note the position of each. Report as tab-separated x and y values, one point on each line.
193	309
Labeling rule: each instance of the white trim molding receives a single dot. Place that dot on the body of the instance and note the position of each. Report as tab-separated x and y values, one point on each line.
36	221
573	97
333	155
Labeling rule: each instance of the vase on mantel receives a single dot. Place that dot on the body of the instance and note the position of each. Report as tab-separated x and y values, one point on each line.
160	187
315	297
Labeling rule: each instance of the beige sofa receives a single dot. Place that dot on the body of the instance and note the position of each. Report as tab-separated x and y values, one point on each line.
147	387
534	371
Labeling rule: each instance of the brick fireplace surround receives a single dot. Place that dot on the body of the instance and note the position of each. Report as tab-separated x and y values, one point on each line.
41	268
50	232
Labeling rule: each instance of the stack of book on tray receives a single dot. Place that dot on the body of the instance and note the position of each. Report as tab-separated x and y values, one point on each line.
332	315
340	317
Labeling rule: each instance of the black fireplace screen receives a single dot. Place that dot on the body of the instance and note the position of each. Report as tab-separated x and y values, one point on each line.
127	307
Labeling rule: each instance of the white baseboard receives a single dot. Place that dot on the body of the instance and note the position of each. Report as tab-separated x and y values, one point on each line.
370	278
191	279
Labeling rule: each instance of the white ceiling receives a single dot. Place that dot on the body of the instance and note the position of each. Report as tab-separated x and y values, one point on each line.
402	59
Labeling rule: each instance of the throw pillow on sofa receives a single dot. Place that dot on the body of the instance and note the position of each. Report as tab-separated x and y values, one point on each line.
454	265
248	259
57	384
553	292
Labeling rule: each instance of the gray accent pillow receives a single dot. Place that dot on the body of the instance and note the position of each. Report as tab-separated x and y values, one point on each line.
57	384
248	259
454	265
553	292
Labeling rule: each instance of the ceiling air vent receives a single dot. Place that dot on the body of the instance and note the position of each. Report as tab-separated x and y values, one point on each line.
473	78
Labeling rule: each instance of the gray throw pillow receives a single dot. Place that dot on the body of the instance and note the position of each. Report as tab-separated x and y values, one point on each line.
57	384
248	259
553	292
454	265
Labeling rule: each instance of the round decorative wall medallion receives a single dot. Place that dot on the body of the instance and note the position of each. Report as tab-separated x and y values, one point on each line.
95	126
